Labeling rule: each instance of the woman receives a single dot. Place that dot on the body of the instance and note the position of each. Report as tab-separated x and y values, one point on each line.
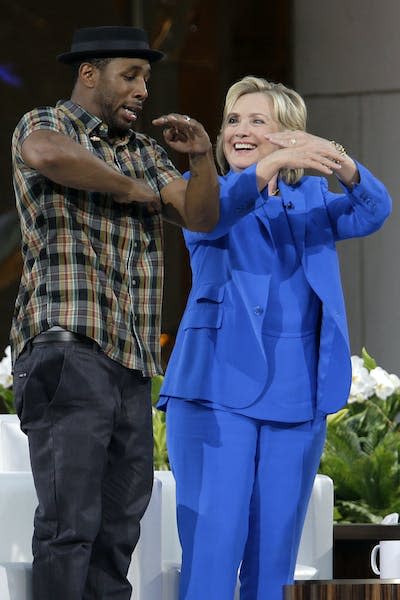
262	353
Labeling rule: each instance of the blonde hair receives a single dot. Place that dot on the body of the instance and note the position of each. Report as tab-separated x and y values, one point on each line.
289	110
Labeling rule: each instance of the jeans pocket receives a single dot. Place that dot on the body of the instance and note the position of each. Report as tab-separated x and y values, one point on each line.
36	380
20	377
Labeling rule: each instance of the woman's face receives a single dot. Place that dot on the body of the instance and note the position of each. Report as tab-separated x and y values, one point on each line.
244	130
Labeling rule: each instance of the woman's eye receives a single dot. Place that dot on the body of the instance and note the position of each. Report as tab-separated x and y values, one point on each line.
259	121
232	120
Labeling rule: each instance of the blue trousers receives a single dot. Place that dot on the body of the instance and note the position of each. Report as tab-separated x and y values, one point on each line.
243	487
88	421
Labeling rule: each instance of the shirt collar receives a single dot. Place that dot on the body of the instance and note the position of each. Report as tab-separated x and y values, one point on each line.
92	125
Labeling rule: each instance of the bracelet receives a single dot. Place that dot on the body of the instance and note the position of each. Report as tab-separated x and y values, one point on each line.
339	148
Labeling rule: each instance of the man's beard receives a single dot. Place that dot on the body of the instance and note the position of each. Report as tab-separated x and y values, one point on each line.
114	131
115	127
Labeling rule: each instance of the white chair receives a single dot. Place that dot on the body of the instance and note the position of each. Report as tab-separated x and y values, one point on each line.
15	581
17	505
14	450
145	570
171	552
315	556
316	544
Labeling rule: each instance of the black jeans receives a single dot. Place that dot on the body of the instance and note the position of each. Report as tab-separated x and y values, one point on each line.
88	421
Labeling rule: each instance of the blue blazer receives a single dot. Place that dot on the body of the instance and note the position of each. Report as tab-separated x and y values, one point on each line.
219	354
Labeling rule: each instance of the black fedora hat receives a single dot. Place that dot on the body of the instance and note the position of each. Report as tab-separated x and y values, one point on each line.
109	42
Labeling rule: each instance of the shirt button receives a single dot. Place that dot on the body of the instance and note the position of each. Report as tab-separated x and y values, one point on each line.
134	282
258	310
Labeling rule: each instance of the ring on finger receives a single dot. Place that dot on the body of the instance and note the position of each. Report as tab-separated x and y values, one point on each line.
293	141
186	117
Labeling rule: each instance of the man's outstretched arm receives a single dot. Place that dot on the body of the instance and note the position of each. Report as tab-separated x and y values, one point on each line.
67	163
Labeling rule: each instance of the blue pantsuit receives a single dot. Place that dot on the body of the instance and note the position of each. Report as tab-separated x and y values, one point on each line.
261	356
258	485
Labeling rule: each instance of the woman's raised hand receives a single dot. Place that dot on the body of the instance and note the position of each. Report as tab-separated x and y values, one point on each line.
298	149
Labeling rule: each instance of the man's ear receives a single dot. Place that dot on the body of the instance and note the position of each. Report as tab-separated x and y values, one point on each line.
88	74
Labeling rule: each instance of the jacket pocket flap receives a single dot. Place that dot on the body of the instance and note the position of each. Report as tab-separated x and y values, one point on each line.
209	315
210	292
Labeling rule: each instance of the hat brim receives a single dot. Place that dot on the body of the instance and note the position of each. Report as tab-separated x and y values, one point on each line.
72	57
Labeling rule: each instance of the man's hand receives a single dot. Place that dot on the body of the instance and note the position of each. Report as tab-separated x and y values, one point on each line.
193	204
184	134
141	193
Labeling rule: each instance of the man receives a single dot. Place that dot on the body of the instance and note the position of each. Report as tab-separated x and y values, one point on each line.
85	335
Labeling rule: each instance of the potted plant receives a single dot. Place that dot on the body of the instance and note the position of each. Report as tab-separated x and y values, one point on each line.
6	394
361	453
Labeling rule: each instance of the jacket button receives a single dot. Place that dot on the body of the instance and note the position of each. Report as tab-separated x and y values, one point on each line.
258	310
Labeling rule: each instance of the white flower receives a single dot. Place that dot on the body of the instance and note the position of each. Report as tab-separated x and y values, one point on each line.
6	379
384	386
396	382
362	384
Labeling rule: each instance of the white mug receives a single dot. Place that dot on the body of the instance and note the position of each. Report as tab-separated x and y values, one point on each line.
389	559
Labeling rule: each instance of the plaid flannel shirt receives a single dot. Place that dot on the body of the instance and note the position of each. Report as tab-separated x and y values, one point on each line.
91	266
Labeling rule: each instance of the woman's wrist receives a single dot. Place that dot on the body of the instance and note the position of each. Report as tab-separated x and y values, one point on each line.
266	168
348	174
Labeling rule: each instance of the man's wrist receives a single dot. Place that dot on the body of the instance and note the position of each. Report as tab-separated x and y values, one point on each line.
198	155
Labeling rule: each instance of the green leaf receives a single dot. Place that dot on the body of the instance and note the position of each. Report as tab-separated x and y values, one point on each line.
160	454
356	512
7	396
156	383
369	362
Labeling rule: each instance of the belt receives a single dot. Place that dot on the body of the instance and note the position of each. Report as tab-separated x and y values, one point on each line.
50	336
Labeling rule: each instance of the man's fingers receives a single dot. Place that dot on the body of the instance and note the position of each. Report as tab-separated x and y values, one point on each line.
180	123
